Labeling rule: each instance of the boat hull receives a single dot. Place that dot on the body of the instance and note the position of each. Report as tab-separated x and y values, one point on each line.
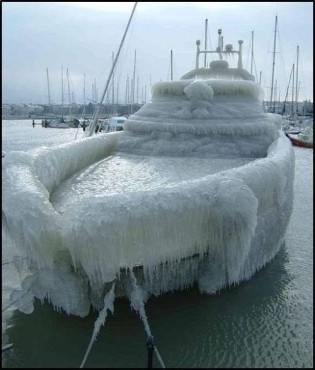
300	143
216	231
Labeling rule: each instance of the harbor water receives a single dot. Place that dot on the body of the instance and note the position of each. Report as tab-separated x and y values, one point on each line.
266	322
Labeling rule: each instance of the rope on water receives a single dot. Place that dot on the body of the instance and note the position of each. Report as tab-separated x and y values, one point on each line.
159	357
108	305
137	293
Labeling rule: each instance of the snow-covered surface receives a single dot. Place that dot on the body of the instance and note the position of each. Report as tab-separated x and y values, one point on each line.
200	171
121	173
219	69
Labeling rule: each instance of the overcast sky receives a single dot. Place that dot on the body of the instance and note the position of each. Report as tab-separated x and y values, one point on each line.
82	36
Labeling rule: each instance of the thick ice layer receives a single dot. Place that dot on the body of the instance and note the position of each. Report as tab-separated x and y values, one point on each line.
206	118
197	189
219	70
217	215
121	173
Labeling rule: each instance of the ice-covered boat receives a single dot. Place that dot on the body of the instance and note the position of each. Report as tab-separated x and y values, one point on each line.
197	189
113	124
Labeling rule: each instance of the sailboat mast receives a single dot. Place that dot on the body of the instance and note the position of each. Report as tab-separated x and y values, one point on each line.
275	98
297	81
127	91
292	106
69	99
206	33
95	94
274	59
84	101
137	89
252	59
171	65
62	85
113	87
286	95
93	125
134	82
48	91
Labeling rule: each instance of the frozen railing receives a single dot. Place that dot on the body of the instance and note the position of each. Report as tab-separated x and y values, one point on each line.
221	51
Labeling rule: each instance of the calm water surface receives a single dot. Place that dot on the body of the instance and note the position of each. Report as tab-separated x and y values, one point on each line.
265	322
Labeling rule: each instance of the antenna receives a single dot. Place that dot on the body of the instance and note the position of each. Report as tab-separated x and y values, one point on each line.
206	32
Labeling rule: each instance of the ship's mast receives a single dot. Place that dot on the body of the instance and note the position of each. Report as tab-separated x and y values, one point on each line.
297	81
69	92
62	85
48	91
273	62
134	82
252	59
93	124
292	112
286	95
171	65
84	100
113	88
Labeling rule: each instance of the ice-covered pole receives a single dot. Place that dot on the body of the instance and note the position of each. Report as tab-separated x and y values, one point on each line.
240	62
197	54
220	42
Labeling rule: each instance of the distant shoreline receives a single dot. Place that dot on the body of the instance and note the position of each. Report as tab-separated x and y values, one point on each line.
20	118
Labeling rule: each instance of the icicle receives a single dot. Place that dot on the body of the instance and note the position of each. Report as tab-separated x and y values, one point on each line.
108	305
137	299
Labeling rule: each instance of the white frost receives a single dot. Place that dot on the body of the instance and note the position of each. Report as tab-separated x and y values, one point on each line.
198	188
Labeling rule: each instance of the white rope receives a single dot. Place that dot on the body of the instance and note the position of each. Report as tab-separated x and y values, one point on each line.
159	357
143	316
108	304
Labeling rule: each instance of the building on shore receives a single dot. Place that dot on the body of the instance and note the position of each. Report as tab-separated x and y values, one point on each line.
11	111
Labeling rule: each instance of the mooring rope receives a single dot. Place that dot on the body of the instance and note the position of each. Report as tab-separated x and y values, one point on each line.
143	315
108	304
17	259
159	357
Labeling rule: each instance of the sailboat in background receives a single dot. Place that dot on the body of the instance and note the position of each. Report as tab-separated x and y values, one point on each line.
298	128
57	121
115	122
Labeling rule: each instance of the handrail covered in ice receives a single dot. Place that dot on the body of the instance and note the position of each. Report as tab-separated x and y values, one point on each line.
219	50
